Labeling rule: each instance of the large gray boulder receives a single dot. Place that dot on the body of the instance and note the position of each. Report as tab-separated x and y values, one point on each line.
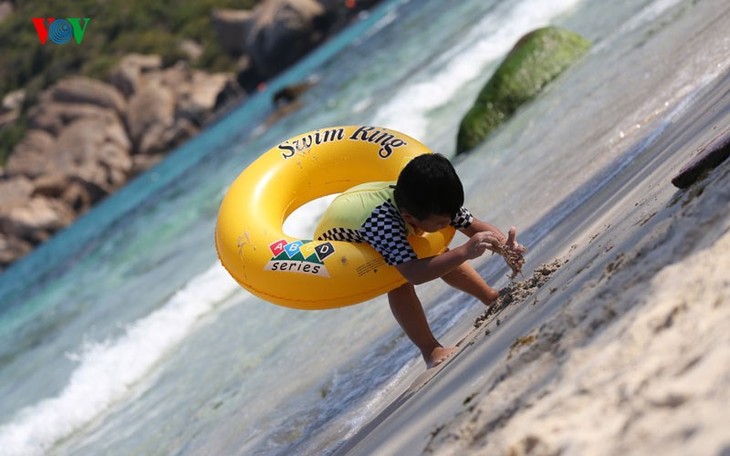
282	31
232	28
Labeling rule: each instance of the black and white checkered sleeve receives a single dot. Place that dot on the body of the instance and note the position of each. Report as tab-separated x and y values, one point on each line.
385	230
341	234
462	219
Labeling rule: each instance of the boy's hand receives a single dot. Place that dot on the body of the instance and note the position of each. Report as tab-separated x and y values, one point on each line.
511	242
480	243
512	252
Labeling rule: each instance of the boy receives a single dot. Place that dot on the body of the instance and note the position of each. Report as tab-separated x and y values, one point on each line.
427	197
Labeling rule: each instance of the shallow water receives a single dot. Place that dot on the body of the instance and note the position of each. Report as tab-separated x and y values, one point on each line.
124	335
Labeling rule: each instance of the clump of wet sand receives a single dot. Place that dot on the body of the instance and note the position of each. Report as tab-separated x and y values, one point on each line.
520	291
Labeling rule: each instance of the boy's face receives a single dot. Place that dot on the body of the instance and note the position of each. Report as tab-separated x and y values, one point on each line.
430	224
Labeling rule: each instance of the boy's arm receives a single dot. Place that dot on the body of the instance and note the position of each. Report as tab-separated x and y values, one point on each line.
426	269
477	226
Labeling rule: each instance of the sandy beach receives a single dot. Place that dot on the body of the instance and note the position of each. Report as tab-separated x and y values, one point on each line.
616	340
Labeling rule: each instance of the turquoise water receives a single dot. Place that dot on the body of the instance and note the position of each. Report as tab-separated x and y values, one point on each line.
123	335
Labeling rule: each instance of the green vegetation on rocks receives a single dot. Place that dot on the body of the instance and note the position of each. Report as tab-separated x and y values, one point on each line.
536	59
116	28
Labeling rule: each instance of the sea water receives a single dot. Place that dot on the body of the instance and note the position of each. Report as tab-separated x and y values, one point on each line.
123	335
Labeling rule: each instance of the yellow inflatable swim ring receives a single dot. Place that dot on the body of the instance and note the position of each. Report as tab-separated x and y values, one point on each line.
303	273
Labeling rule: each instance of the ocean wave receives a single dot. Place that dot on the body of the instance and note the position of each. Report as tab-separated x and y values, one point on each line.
112	370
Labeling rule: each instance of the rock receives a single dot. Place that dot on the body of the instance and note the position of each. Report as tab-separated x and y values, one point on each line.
74	152
277	33
232	27
6	9
36	220
537	58
11	106
13	101
95	150
196	99
14	191
287	100
77	148
707	157
172	77
53	116
283	31
12	248
291	93
126	75
247	76
31	156
79	89
181	130
231	93
76	193
195	91
192	49
151	112
170	106
8	118
141	163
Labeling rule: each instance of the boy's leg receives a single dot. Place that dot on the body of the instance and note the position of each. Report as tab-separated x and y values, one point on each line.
409	314
467	279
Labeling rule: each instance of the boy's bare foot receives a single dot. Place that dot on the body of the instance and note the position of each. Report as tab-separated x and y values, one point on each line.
438	356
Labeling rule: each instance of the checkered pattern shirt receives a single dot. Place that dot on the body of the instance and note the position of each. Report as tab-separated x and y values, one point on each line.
387	232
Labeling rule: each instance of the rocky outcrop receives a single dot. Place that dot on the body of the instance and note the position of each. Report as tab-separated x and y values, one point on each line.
283	31
536	59
277	33
87	138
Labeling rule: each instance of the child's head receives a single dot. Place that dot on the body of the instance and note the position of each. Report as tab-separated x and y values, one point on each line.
429	186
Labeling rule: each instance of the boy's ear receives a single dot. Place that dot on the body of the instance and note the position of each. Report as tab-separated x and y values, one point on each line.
409	218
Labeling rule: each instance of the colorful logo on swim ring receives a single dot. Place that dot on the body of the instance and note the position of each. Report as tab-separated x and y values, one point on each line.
304	257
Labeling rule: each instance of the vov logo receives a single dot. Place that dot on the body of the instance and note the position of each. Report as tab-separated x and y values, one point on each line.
60	31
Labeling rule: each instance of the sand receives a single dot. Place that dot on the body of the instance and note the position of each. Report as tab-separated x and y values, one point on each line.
616	341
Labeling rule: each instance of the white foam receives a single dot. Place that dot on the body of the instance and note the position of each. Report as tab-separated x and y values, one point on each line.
108	371
491	39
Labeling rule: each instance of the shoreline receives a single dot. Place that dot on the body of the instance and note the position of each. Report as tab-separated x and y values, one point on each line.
519	384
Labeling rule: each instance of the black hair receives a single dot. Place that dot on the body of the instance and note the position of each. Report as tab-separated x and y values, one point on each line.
429	185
